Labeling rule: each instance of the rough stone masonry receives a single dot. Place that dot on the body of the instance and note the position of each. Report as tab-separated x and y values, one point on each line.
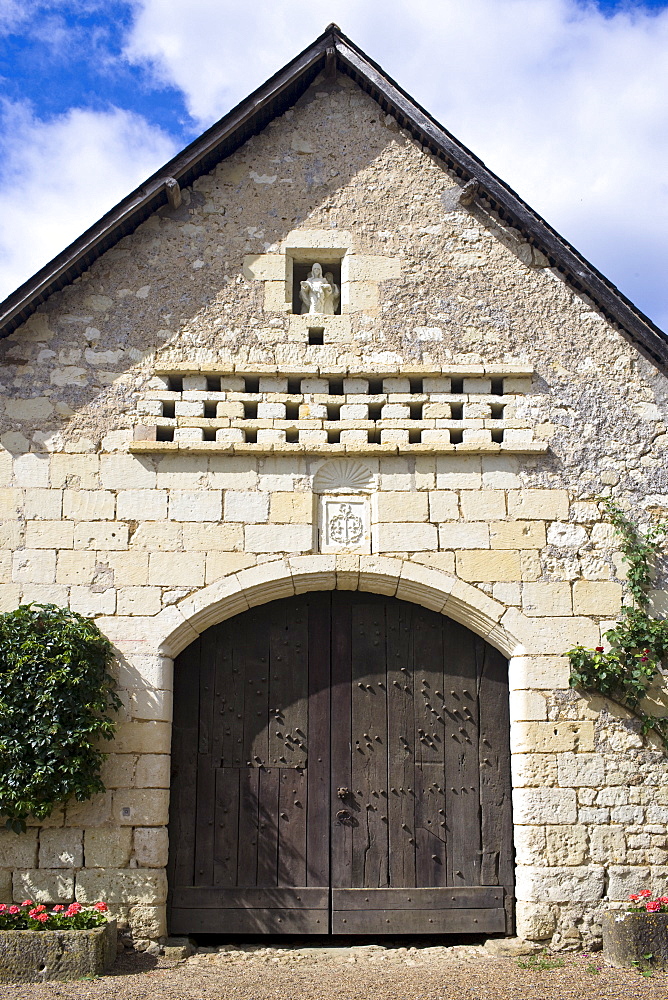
162	421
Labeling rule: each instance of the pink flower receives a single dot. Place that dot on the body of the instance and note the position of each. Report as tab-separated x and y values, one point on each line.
42	917
645	893
599	649
653	906
634	897
663	900
58	908
27	902
14	910
3	907
102	907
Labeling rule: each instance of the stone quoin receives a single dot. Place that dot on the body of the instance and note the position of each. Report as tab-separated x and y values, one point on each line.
186	438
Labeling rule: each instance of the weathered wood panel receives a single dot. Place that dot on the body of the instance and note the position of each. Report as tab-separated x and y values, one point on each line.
341	740
418	921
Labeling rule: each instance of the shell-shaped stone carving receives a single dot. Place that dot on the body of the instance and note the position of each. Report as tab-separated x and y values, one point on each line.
342	475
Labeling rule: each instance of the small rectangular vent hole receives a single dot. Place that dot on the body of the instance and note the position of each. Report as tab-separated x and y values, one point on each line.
375	410
333	437
165	434
175	383
415	411
416	385
497	411
210	407
294	386
373	435
497	387
209	434
333	411
292	435
456	437
457	386
168	408
375	386
497	436
457	411
292	411
213	383
250	411
252	383
250	435
316	335
415	437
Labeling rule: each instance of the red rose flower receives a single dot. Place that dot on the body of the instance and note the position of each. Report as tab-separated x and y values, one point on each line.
653	906
599	649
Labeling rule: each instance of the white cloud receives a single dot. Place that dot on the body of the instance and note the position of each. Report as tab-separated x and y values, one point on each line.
60	176
566	105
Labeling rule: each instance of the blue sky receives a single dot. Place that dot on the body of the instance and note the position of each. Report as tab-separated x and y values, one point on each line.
566	99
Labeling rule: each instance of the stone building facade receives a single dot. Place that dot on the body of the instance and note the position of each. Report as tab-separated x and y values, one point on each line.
178	441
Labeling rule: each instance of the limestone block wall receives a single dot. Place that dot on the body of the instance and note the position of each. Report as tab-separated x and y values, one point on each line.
158	538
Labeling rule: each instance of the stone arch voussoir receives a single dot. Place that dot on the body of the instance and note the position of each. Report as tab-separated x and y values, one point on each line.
177	626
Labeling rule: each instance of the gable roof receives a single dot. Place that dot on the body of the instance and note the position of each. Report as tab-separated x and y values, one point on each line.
333	52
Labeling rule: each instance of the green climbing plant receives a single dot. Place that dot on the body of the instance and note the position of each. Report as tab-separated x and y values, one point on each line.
56	694
638	643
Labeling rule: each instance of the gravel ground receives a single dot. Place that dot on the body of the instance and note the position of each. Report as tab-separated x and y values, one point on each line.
366	972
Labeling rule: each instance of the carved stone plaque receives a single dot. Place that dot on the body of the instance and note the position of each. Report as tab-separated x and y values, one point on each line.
344	524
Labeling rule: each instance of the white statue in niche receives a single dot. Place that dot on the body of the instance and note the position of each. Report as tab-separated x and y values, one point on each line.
319	295
336	293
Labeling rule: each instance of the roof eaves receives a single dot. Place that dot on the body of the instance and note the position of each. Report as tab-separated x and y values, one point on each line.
499	197
246	119
252	115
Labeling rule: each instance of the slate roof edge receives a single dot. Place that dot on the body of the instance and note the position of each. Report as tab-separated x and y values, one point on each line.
274	97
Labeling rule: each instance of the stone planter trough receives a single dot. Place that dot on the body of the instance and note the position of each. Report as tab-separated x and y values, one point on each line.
628	937
36	956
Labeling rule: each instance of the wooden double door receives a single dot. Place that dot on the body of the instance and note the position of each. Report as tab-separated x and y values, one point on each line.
340	764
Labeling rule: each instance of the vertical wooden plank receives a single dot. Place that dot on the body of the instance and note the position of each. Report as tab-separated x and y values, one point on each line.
207	676
248	826
400	746
221	694
341	722
429	746
369	741
292	848
183	796
428	685
206	779
256	688
267	826
317	779
498	866
204	823
431	868
232	667
226	838
288	682
462	778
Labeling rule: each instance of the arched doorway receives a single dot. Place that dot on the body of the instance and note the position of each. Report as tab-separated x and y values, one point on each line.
340	763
